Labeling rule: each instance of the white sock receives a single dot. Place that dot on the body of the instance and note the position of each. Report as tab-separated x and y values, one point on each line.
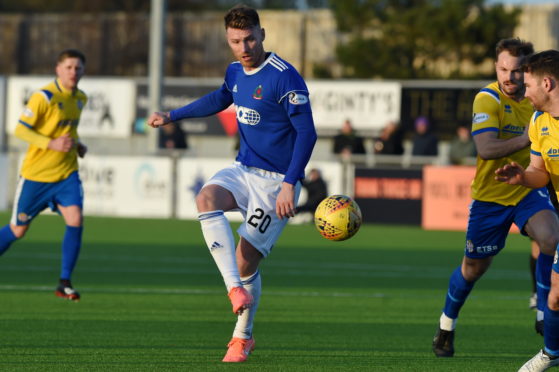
539	315
221	243
446	323
243	328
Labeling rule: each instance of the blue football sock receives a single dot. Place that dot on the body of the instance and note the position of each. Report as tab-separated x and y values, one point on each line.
7	237
458	291
551	331
543	279
70	250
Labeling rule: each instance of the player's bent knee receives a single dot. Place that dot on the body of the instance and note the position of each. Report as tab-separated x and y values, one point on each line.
19	230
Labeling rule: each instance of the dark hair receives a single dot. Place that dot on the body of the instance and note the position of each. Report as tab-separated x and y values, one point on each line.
70	53
543	63
241	17
515	46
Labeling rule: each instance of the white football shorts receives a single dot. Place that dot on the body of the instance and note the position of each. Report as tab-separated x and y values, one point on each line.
255	191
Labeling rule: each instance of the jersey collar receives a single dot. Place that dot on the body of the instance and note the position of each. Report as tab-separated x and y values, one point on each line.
266	61
62	89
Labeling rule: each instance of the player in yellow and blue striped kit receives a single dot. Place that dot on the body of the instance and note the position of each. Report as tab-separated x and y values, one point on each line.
49	174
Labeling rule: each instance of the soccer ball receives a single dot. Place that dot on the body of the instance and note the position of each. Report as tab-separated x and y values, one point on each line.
337	217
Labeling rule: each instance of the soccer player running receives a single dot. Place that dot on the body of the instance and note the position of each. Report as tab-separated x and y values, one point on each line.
541	76
277	136
49	174
499	128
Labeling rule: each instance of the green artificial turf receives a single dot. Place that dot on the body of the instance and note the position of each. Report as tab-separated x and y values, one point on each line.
153	300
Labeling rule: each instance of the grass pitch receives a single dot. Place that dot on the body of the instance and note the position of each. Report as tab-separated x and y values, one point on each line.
153	300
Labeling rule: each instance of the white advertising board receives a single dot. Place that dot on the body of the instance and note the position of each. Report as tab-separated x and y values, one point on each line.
368	104
4	182
127	186
110	109
193	173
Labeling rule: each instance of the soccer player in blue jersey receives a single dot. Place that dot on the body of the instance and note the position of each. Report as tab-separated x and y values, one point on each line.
49	174
542	89
277	136
499	128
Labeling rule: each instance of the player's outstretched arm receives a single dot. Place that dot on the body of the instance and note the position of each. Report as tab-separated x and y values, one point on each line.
158	119
512	173
535	176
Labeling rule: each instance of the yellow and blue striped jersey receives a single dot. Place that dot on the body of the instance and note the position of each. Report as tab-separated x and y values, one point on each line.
50	113
494	111
544	134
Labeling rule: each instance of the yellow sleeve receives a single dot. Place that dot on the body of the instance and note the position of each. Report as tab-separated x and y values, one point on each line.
486	108
35	109
31	136
533	134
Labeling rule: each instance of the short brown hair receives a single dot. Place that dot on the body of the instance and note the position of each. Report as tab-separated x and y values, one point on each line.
515	46
70	53
241	17
543	63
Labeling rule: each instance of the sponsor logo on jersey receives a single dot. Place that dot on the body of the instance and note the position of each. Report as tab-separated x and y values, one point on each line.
555	258
479	117
508	109
553	153
298	99
545	131
28	112
235	89
247	116
513	129
469	246
257	92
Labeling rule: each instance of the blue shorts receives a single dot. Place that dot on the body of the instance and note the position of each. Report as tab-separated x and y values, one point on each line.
489	223
32	197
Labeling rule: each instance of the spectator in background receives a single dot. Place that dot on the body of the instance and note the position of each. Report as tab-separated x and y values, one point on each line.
462	147
425	143
316	191
390	141
347	142
172	137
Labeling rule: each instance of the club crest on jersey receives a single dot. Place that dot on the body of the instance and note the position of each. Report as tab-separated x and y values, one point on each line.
508	109
257	92
297	99
60	106
23	217
545	131
247	116
80	104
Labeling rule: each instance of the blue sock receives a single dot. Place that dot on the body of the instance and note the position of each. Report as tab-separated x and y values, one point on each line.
458	291
543	279
70	250
551	331
7	237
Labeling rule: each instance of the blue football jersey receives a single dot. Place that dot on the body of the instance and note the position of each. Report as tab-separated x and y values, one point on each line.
266	100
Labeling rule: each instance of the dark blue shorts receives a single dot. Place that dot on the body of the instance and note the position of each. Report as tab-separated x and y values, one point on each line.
489	223
33	197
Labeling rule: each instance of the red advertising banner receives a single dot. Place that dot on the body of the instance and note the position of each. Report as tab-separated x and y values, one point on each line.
446	197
